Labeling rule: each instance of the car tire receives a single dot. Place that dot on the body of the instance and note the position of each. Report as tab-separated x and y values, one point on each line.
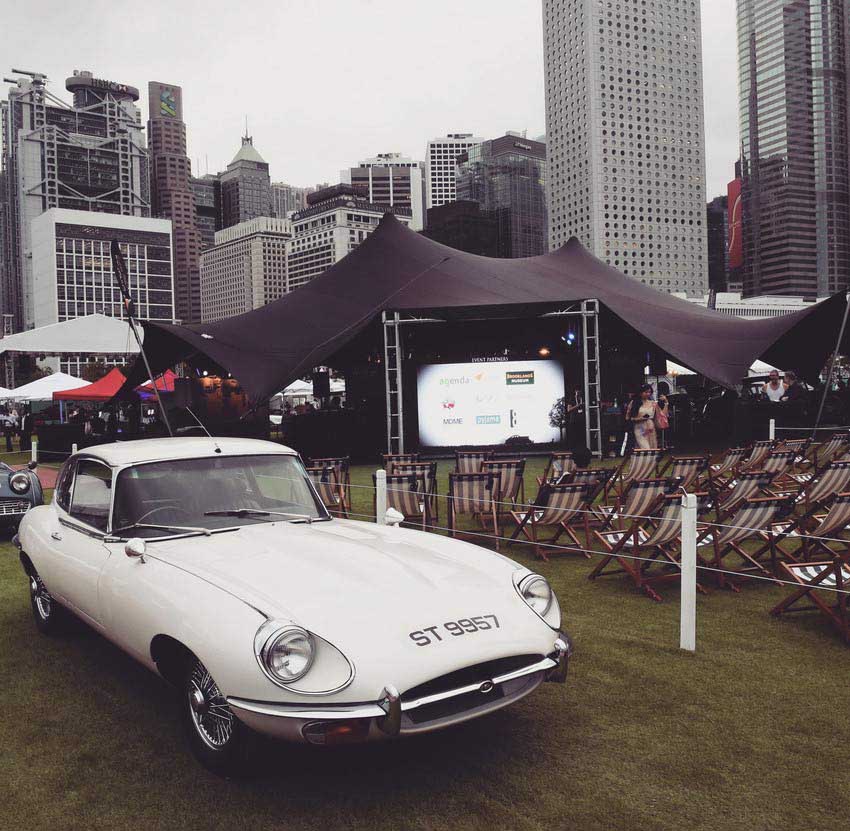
219	741
48	614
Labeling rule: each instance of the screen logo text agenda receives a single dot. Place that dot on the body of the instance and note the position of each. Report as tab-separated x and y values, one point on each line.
485	404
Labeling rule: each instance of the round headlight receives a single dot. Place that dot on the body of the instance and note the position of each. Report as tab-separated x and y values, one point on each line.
285	652
537	593
20	482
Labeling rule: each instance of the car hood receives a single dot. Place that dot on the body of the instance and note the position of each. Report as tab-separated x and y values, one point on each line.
365	587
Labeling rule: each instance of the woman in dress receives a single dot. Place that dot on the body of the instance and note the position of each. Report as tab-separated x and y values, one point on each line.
641	414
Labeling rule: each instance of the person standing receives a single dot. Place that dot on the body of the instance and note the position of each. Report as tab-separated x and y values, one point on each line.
642	413
774	389
26	429
795	398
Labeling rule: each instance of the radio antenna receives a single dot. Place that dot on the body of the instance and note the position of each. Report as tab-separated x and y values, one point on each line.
204	428
119	269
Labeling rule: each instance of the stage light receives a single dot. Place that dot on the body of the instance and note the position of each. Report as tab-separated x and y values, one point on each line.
543	351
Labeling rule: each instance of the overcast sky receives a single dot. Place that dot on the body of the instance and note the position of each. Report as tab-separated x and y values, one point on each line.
325	83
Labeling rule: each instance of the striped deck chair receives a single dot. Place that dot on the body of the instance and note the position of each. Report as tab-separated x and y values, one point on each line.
816	491
555	506
637	503
470	461
642	464
751	518
687	468
825	584
511	483
342	468
657	541
406	494
558	464
822	453
799	446
328	487
596	477
729	464
476	494
830	526
428	473
780	463
758	453
746	485
393	458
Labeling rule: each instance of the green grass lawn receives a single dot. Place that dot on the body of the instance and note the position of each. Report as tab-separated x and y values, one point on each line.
748	733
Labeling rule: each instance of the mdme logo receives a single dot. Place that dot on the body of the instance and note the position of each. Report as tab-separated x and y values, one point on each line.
519	378
488	419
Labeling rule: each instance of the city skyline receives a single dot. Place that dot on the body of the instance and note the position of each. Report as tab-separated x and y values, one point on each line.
306	143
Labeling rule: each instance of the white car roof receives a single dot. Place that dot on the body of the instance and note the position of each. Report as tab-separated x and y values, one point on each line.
124	453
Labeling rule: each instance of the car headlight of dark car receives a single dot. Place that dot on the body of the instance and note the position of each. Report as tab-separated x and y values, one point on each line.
538	594
20	482
285	652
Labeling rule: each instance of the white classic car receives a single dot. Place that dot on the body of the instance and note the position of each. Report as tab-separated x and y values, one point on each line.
213	562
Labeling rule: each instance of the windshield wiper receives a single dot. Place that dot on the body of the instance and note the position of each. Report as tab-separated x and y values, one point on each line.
246	512
180	528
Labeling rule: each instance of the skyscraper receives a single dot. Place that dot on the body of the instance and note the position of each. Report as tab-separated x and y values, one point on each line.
624	132
171	193
245	186
507	178
441	157
88	156
792	61
286	199
393	180
246	268
208	220
717	223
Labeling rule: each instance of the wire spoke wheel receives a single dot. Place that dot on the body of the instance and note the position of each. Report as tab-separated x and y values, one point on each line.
42	601
212	718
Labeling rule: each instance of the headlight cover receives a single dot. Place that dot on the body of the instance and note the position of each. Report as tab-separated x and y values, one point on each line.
20	482
537	593
285	652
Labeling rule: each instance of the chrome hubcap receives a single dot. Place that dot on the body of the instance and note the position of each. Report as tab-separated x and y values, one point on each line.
209	711
42	598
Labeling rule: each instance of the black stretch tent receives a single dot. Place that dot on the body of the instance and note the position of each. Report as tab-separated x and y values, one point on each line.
398	270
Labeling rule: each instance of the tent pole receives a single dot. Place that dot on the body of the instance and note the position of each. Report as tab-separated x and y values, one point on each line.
119	268
832	365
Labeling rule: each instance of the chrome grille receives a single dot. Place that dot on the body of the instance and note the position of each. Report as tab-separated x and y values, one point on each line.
13	506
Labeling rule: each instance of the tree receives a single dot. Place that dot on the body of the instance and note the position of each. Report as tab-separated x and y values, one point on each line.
558	415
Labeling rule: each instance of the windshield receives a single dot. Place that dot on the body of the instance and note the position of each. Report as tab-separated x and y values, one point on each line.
195	495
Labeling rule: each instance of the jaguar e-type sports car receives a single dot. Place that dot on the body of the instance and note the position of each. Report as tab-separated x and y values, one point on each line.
20	490
214	563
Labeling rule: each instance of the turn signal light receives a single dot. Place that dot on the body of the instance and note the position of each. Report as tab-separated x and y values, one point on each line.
347	731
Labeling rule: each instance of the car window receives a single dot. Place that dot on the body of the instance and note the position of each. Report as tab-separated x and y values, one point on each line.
92	494
62	494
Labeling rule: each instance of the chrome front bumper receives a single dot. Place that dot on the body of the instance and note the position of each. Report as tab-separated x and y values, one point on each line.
391	716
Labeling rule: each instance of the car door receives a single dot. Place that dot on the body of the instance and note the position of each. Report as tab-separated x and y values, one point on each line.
81	552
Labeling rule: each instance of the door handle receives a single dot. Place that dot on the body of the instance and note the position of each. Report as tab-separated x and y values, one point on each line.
55	535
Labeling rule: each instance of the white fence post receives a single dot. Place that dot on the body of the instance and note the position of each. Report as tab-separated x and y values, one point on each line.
771	434
381	497
73	448
688	615
34	450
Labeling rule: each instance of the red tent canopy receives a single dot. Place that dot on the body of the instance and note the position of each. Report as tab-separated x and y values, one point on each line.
101	390
164	383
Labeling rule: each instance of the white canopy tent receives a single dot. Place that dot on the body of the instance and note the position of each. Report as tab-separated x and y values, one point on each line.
42	389
90	335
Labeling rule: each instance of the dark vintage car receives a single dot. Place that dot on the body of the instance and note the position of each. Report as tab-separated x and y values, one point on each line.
20	490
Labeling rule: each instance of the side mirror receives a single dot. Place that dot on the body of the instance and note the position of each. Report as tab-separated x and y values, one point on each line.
135	548
393	517
32	465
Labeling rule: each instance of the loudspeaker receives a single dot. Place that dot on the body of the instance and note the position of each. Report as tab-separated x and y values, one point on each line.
321	385
182	392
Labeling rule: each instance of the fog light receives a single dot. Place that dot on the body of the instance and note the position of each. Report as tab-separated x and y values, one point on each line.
347	731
